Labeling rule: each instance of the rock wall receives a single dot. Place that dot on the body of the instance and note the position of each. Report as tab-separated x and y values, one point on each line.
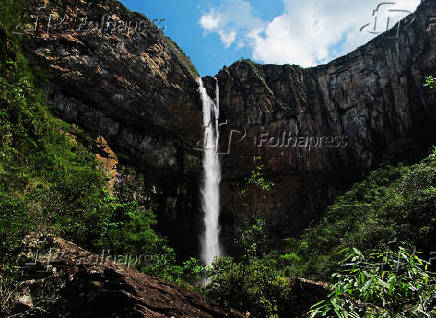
318	129
328	124
115	74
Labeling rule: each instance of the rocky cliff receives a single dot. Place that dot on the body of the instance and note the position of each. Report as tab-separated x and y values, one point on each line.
115	74
317	129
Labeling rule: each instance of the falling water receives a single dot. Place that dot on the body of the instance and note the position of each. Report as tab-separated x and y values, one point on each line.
210	195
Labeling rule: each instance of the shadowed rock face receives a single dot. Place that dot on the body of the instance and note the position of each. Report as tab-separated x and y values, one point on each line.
138	90
64	280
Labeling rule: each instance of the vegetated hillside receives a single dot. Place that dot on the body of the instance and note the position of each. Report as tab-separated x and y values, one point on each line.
137	89
49	179
393	206
374	245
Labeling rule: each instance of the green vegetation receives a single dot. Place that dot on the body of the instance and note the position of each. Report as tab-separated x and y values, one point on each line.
254	189
387	284
259	73
247	283
430	82
392	206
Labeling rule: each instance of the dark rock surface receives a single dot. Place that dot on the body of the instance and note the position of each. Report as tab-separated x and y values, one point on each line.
138	90
59	279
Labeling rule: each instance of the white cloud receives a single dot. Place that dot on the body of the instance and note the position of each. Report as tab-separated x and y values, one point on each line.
227	38
232	19
306	33
210	21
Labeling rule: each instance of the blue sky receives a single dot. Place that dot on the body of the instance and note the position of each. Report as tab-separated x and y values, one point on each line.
214	33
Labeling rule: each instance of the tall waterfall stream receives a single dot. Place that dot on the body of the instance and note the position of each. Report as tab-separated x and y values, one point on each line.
210	192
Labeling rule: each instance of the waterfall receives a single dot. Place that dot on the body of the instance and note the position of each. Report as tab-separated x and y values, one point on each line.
210	192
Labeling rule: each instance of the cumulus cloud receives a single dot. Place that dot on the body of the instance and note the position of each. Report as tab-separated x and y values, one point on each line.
306	33
210	21
227	38
231	20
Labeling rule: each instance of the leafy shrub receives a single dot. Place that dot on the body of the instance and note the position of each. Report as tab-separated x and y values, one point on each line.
254	189
430	82
253	287
248	283
383	284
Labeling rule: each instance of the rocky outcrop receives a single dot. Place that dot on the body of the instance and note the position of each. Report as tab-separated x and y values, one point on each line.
318	129
108	160
56	278
59	279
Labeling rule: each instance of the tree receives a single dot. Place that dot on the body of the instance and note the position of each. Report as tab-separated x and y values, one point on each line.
248	283
255	189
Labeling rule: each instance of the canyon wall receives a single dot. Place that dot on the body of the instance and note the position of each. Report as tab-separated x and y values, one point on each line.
317	129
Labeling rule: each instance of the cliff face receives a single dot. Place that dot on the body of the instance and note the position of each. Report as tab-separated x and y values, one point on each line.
317	129
136	88
116	75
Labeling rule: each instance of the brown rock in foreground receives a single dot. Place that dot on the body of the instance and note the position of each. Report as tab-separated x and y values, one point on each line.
63	280
59	279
